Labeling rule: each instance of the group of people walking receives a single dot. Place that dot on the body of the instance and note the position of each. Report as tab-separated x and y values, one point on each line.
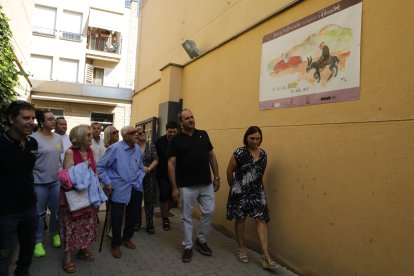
43	166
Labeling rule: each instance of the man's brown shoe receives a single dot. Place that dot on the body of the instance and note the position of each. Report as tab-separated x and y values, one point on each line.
116	252
129	244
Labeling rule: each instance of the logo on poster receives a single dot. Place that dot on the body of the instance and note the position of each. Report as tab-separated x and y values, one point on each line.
330	10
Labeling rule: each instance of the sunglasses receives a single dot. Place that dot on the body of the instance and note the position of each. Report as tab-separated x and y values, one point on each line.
141	133
115	132
133	132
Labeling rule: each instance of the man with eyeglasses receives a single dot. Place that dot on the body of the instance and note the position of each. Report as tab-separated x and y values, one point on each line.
18	215
190	156
121	170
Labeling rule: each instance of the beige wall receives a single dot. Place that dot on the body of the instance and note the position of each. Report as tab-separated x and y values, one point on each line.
145	104
339	177
170	23
76	114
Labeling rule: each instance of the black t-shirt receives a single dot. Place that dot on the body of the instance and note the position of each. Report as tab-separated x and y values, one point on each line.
192	158
162	150
16	174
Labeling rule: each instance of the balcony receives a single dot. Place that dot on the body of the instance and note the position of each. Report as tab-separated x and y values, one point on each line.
103	44
78	92
41	31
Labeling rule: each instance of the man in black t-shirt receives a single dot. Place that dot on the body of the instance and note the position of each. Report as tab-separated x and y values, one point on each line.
190	156
18	213
162	172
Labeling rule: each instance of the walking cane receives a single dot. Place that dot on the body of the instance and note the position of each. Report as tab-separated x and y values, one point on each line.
108	209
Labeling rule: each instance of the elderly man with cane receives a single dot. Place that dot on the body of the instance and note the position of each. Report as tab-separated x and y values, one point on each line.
121	170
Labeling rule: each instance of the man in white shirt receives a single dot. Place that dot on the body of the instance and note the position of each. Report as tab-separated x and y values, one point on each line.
61	128
97	146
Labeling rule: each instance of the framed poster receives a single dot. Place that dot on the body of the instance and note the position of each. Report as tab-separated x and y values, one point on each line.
313	60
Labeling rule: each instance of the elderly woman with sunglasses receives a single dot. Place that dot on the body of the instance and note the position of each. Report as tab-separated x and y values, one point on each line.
150	157
78	228
111	135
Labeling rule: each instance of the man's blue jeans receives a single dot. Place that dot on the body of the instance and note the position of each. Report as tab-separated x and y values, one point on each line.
23	224
47	196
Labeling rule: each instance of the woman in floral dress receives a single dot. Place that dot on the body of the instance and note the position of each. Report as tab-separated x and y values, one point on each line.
247	196
78	228
150	159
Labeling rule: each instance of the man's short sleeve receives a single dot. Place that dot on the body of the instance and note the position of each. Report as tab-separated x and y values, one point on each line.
172	147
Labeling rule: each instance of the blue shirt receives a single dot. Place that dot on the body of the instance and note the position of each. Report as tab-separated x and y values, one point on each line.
122	167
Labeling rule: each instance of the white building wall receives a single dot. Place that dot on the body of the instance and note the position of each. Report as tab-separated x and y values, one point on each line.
19	14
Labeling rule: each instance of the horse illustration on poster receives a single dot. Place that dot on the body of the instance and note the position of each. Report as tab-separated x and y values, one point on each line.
313	60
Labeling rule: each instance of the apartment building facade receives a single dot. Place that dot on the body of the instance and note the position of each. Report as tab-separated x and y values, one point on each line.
82	59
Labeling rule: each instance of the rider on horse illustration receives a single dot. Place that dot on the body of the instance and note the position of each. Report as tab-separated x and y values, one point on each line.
324	59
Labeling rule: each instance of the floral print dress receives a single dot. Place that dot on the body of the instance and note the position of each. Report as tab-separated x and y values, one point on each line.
247	196
78	229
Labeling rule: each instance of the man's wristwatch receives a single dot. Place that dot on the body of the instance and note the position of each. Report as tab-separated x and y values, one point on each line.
217	178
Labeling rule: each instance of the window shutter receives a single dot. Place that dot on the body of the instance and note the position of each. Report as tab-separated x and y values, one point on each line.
89	74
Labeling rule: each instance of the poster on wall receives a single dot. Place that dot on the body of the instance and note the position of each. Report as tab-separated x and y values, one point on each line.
313	60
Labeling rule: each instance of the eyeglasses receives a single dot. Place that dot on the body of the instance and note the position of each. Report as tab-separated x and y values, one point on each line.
115	132
132	132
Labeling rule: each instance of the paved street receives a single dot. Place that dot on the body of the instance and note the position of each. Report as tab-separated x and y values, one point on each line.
158	254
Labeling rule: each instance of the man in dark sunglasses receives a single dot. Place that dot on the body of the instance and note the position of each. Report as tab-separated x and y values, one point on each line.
121	170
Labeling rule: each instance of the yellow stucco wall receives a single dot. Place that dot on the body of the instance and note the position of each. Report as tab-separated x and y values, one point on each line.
167	24
145	104
340	176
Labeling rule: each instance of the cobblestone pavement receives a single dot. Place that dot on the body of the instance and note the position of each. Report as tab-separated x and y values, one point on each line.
158	254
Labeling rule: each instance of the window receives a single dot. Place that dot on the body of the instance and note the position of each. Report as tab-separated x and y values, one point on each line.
71	26
68	70
94	75
105	119
41	66
44	21
56	111
98	76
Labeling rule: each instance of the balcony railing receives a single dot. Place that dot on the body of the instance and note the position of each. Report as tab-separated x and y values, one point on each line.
103	44
43	31
71	36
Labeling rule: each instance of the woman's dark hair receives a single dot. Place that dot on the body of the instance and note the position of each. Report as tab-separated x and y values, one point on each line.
40	116
251	130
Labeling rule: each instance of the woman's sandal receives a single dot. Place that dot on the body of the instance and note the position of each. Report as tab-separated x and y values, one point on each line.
241	253
85	255
69	267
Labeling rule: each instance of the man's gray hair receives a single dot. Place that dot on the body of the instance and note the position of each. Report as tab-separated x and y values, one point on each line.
124	130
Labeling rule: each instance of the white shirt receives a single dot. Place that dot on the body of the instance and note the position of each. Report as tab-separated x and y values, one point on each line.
65	143
98	149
